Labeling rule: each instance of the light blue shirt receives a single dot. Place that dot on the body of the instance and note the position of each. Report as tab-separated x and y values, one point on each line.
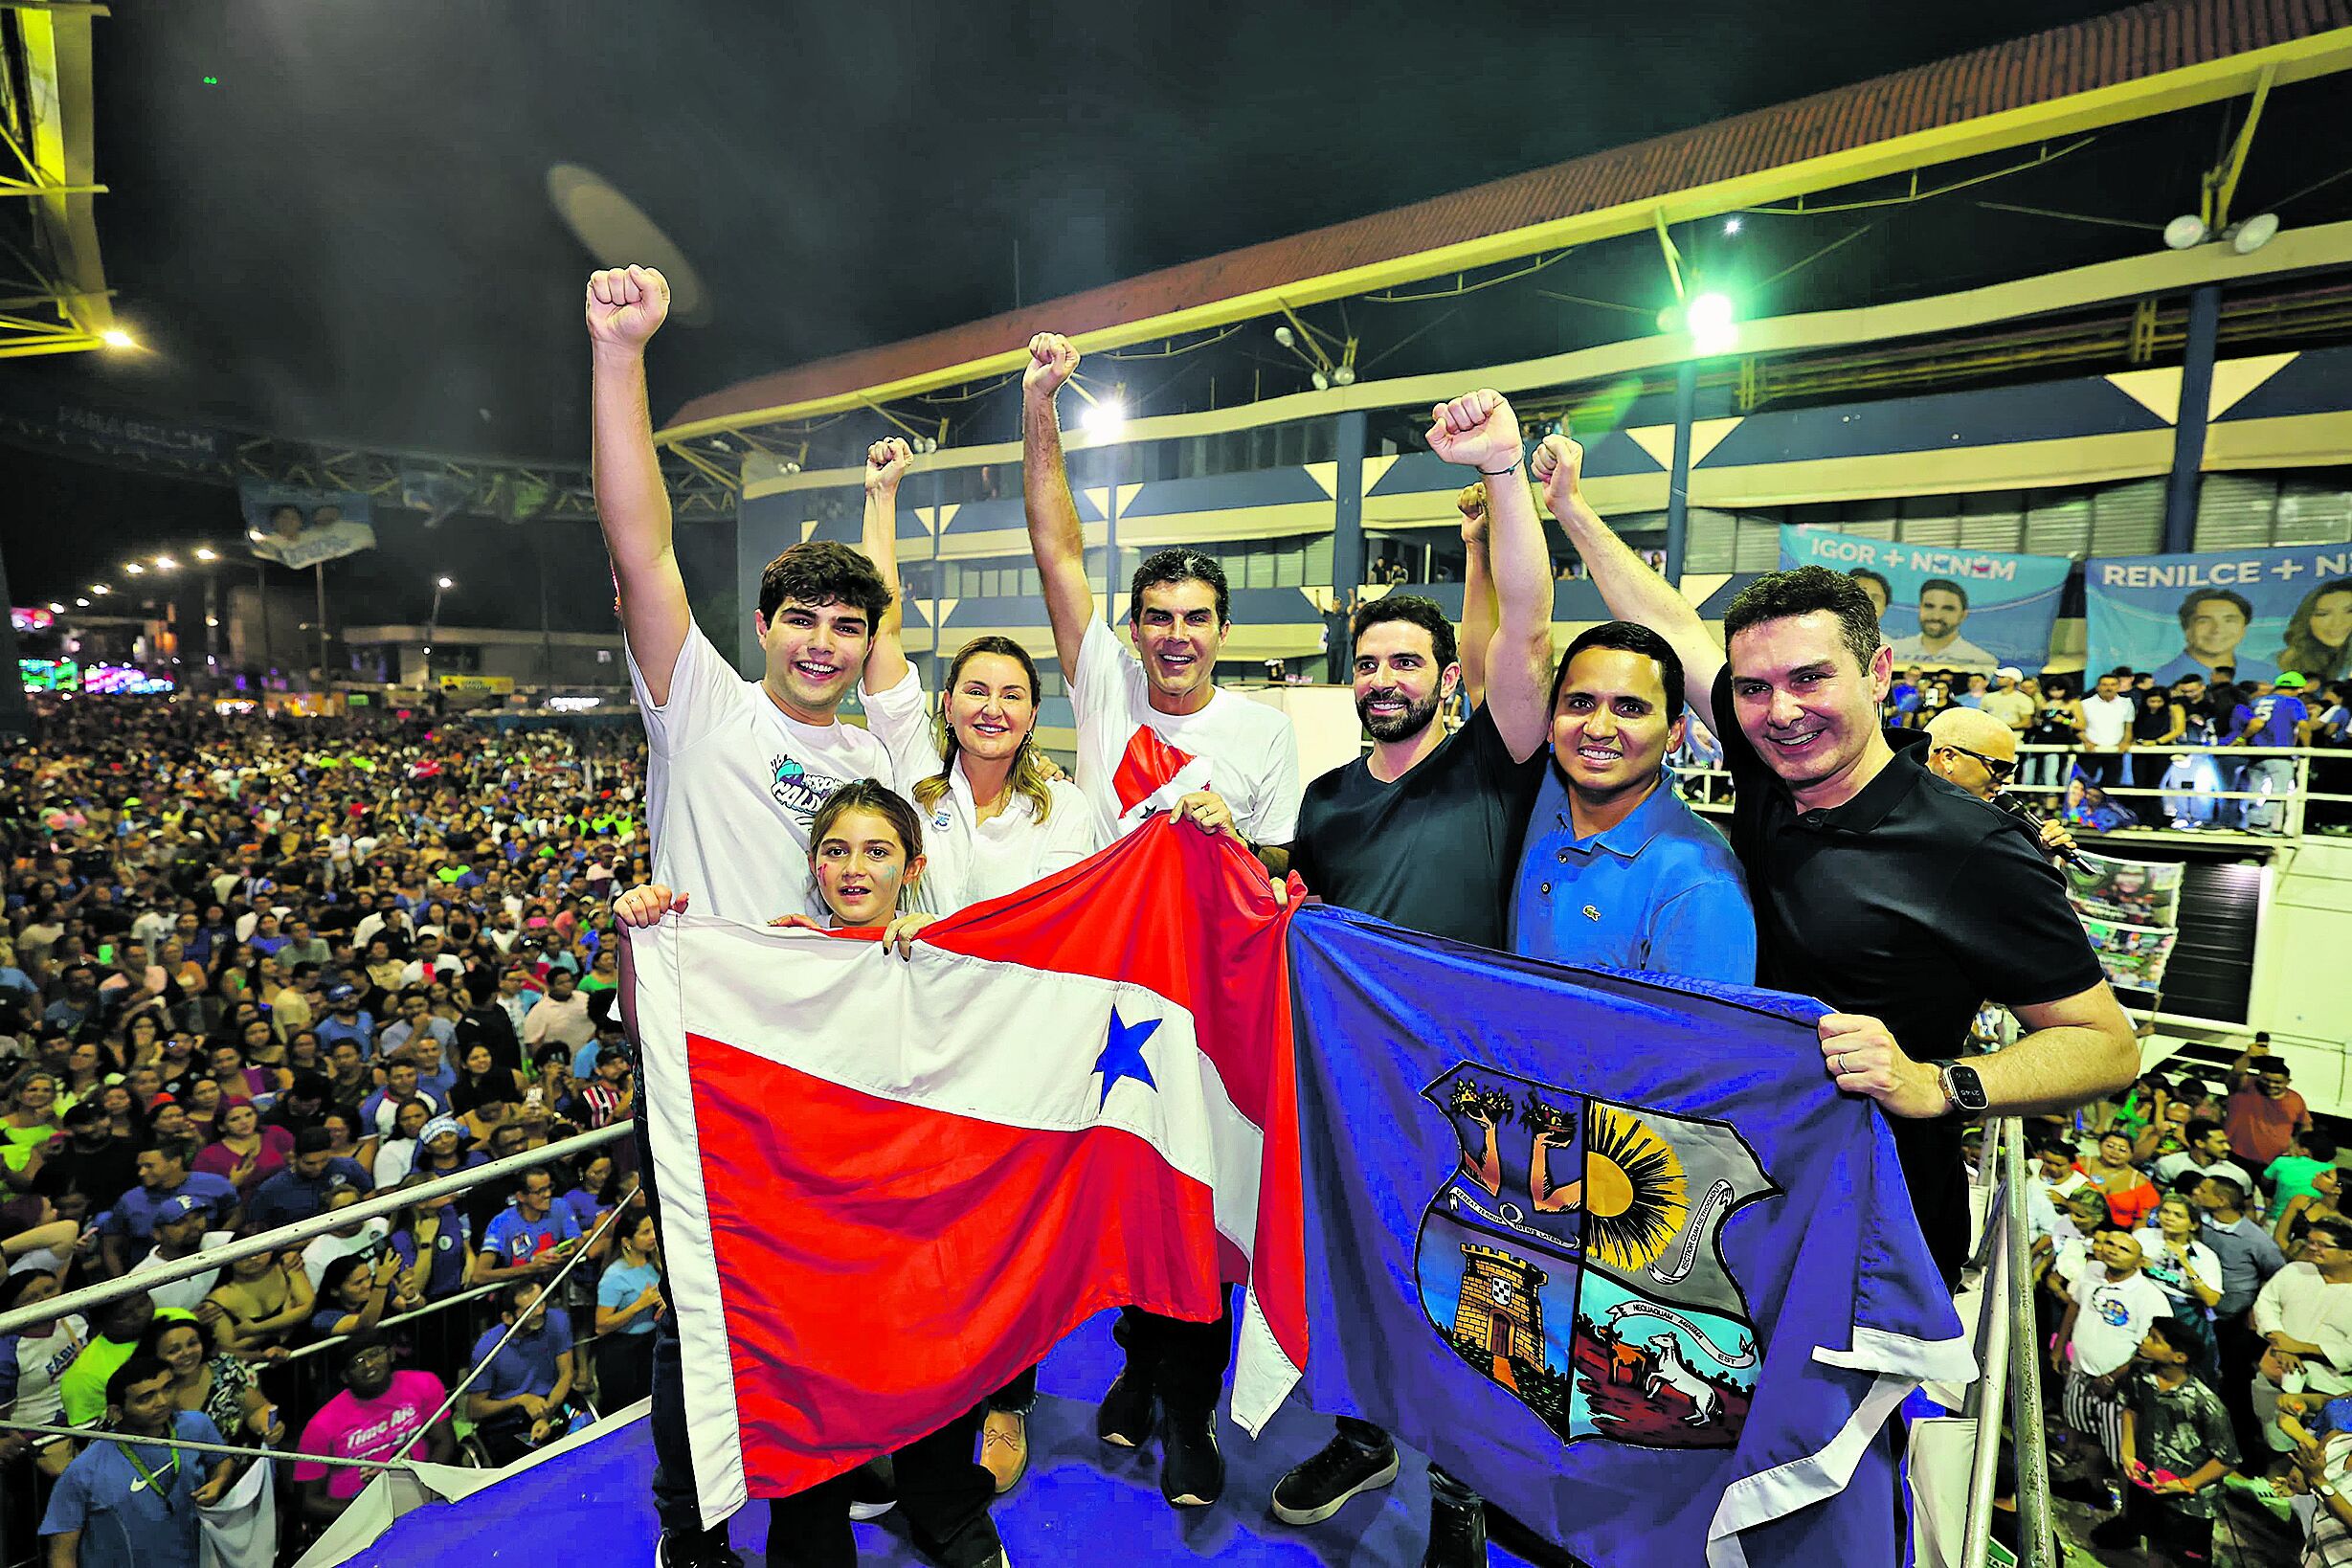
1659	891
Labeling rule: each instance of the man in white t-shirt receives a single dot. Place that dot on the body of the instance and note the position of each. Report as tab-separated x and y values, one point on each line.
1154	734
2106	733
735	772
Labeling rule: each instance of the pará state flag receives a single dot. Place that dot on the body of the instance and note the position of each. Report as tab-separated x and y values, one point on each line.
1610	1249
888	1185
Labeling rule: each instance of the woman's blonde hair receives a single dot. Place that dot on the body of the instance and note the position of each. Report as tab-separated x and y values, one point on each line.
1029	778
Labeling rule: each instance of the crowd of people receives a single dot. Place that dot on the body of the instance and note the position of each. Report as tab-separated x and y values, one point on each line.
252	972
2120	734
2193	1268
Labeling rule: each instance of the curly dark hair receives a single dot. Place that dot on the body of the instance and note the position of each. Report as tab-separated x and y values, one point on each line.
1178	566
1776	595
822	572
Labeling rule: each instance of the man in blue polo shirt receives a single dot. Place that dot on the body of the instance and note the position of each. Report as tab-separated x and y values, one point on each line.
1616	872
530	1237
344	1020
129	1230
125	1503
315	1174
519	1402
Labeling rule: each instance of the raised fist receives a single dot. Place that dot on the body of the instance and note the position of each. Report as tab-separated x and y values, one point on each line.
1472	503
1478	431
1052	361
626	306
1557	464
885	465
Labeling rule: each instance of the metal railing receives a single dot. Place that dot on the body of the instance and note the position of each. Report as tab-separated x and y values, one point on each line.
2008	1352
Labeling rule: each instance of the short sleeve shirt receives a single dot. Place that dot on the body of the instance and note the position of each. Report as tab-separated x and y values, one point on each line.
1913	902
350	1427
2179	1429
518	1240
621	1287
965	860
1432	851
2113	1317
1135	760
732	783
129	1519
528	1363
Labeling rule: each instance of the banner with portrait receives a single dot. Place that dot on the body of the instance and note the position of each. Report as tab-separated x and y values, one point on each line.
301	528
1944	608
2132	956
2136	893
2255	612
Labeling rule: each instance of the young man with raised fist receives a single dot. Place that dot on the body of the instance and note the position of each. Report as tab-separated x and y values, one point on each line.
735	773
1154	733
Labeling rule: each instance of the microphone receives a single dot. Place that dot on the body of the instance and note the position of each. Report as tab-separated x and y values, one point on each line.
2018	809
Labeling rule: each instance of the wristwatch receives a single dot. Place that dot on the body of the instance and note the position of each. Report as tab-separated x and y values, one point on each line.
1963	1092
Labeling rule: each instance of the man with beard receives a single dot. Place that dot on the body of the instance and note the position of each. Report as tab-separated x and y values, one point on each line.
380	1414
1898	900
1425	830
1943	605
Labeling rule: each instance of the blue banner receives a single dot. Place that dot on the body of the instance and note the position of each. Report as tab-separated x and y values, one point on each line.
2257	612
1611	1250
1945	609
300	528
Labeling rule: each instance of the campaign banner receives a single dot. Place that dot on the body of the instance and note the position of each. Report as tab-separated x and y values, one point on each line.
2135	892
2255	612
2133	957
1945	607
295	527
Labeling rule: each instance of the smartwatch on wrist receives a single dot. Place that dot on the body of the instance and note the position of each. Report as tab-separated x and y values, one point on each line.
1963	1092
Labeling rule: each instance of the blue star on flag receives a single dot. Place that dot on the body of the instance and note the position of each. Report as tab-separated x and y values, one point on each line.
1122	1055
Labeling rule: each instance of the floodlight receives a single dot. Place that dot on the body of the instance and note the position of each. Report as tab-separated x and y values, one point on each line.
166	563
114	336
2185	232
1731	226
206	553
2250	235
1322	383
84	603
1344	376
132	569
1286	337
443	582
1712	321
1104	417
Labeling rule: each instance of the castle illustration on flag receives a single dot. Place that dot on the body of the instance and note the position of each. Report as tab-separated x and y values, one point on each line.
1572	1256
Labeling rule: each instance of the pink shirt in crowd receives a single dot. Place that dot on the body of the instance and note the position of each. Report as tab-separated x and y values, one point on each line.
353	1428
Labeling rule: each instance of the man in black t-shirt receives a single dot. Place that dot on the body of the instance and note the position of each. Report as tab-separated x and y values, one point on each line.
1426	831
1895	897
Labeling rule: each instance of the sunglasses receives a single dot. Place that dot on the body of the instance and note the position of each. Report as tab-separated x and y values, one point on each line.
2002	772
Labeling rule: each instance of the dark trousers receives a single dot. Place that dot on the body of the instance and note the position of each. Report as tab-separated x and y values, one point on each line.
1183	1363
675	1502
624	1371
1017	1397
2240	1351
942	1492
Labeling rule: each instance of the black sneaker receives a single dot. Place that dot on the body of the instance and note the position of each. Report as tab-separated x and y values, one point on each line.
873	1489
1312	1492
707	1549
1457	1533
1125	1416
1192	1470
2116	1534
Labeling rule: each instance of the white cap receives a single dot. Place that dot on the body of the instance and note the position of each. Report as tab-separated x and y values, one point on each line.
2011	671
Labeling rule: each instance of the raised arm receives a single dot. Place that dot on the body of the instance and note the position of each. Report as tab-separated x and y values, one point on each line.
625	308
885	465
1630	589
1056	537
1478	611
1481	431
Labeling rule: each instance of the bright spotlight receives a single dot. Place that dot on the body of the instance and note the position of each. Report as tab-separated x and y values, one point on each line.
84	603
1731	226
1104	417
132	569
443	582
1285	336
100	587
1712	321
56	608
1344	376
2250	235
2185	232
166	563
1322	383
253	534
206	553
114	336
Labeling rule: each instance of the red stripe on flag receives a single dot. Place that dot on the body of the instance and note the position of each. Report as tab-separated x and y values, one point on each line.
1148	762
916	1260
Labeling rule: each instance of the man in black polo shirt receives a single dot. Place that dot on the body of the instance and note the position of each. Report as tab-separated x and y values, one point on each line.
1426	831
1897	899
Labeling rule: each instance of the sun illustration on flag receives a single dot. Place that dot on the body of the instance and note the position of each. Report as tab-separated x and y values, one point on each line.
1635	1196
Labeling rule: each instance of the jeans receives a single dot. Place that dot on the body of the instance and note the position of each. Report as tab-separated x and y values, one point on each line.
2273	776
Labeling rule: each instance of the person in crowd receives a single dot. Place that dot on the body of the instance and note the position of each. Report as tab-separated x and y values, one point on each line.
350	1238
358	1290
312	1177
2131	1197
261	1302
2248	1257
1371	832
378	1414
2204	1151
1855	862
222	1386
396	1155
2106	733
2296	1172
533	1237
182	1231
2110	1305
561	1015
482	1083
2157	724
31	1361
436	1246
1136	713
715	829
129	1226
2322	1203
2174	1450
628	1300
2304	1316
2276	717
2008	703
350	1135
522	1398
128	1504
116	1328
609	1095
243	1151
2264	1113
2188	1272
380	1110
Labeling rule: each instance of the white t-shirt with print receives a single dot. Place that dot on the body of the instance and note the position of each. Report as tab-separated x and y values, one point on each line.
1135	760
965	860
2114	1317
732	783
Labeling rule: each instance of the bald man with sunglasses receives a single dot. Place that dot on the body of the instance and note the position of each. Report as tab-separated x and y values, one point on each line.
1973	750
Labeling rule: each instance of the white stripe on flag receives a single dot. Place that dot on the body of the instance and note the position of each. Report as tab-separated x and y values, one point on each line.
714	1429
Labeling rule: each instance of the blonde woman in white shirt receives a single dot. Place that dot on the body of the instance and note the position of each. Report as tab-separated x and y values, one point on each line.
996	816
995	819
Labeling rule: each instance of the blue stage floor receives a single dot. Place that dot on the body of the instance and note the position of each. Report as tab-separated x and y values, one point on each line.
1082	1502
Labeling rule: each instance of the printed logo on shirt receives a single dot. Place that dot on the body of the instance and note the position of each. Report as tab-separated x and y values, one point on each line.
2113	1312
798	790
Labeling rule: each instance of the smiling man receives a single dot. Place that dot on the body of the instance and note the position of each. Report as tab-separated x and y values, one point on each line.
1895	897
1619	872
736	769
1154	733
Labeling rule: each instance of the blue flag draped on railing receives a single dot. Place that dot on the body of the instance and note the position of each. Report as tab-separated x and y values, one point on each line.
1610	1249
